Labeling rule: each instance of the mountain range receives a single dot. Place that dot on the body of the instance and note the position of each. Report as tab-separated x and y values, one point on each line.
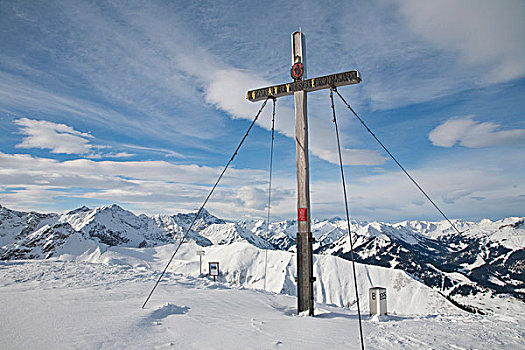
486	257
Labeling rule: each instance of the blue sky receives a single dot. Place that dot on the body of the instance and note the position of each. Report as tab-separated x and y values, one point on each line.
142	103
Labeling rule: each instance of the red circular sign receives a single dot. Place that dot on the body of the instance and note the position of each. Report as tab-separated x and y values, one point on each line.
297	70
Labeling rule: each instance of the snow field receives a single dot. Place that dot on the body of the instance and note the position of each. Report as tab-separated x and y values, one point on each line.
53	304
242	265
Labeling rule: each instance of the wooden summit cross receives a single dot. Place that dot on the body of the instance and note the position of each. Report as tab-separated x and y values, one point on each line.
299	87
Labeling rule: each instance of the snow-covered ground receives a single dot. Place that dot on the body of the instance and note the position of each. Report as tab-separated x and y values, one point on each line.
242	265
93	300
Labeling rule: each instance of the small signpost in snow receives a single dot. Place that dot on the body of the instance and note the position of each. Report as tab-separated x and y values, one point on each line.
200	253
377	301
213	269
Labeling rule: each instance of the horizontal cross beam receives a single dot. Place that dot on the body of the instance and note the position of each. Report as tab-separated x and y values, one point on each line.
313	84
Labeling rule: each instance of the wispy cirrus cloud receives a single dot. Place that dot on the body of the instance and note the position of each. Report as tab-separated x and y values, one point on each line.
482	32
473	134
166	152
414	51
169	78
155	67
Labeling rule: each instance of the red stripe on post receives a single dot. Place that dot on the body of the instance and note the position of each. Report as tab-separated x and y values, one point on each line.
302	214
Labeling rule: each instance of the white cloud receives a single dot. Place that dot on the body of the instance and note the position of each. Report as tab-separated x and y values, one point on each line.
473	134
153	58
166	152
352	156
59	138
411	51
223	88
18	93
145	69
226	88
64	139
462	189
471	188
110	155
252	197
481	31
145	184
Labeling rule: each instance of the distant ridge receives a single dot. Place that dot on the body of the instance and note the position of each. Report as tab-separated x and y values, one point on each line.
486	256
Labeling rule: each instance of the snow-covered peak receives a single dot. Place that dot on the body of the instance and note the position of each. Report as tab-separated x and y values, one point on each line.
79	210
508	231
491	252
229	233
130	229
17	224
204	220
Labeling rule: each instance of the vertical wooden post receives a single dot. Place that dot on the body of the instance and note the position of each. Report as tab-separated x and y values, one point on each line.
305	280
